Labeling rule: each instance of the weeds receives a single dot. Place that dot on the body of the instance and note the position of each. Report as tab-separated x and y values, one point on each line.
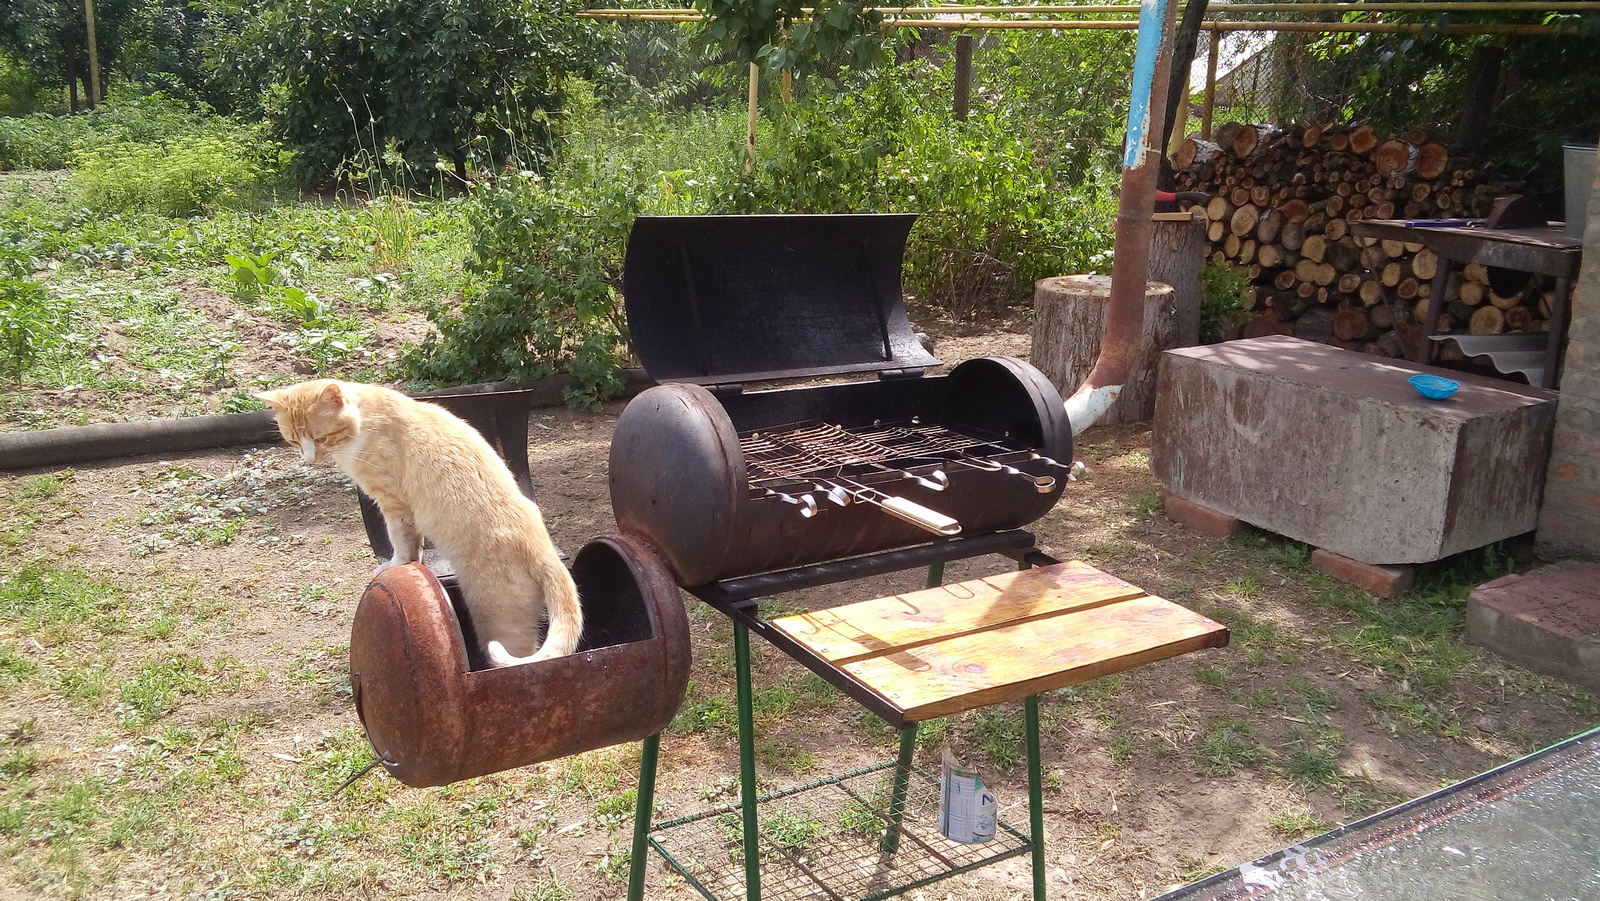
1297	822
1001	735
30	321
1229	746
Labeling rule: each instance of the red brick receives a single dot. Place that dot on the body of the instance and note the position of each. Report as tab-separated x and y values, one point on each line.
1198	518
1383	581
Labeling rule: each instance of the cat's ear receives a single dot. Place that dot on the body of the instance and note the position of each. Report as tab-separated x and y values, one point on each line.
332	398
270	398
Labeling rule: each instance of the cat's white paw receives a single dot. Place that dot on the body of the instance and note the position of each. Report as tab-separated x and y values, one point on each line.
499	656
390	563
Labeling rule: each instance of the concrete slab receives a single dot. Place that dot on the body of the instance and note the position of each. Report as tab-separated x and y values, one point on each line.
1547	620
1335	449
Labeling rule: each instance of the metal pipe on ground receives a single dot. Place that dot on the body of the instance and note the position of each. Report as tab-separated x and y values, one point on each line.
69	445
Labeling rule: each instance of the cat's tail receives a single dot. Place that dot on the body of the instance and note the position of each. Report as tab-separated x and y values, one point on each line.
565	615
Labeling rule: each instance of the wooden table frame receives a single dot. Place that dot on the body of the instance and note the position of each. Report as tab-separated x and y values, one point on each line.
1541	251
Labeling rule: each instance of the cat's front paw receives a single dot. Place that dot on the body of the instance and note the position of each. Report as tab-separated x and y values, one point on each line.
388	564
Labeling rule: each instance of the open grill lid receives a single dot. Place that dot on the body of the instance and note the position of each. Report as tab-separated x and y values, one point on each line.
728	299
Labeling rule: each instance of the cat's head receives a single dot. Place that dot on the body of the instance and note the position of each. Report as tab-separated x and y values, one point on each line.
318	417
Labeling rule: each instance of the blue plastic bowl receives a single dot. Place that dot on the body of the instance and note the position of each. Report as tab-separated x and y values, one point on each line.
1433	386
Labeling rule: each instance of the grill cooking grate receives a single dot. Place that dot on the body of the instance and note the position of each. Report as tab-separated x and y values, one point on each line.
810	449
798	463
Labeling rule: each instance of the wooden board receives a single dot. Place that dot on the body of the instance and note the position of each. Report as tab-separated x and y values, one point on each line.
957	647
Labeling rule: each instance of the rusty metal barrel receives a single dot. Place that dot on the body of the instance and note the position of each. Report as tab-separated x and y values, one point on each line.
433	719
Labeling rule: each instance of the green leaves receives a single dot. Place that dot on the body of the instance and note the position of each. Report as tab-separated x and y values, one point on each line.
780	34
399	89
30	320
552	258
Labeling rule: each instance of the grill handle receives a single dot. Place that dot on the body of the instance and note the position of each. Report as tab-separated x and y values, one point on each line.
918	515
898	507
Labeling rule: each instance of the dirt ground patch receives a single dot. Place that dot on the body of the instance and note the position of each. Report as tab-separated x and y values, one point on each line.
249	564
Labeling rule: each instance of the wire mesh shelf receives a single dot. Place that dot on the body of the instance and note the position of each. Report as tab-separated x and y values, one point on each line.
824	840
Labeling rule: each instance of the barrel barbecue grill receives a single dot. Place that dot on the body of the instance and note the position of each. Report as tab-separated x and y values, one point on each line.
726	482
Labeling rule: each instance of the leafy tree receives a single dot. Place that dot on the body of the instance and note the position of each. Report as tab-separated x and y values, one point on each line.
780	34
411	85
50	37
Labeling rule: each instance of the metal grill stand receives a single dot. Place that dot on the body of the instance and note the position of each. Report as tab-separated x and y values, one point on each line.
883	838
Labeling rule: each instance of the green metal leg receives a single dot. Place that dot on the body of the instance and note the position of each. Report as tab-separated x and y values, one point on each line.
1035	795
936	574
643	813
747	763
902	778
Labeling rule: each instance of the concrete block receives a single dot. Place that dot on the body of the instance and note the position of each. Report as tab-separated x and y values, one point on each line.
1335	449
1547	620
1195	518
1383	581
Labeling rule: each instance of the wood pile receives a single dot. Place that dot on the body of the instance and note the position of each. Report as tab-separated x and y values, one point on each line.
1283	199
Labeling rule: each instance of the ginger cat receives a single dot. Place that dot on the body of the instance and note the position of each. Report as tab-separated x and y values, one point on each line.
434	476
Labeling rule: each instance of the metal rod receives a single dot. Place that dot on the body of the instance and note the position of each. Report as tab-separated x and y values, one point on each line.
1133	8
643	812
1030	713
747	763
1211	87
1131	25
902	778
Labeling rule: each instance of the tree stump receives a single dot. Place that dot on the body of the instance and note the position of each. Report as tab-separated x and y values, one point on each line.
1177	254
1069	318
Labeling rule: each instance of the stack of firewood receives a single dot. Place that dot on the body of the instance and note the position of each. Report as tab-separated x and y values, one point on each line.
1281	207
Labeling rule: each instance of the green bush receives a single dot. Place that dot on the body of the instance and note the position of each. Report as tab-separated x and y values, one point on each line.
45	141
551	259
200	173
996	215
1221	301
38	141
30	320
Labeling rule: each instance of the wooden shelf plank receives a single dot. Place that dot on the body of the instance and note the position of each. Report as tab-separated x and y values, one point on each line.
889	625
1013	661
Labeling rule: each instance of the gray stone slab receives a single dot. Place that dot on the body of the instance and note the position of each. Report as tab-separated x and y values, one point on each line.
1335	449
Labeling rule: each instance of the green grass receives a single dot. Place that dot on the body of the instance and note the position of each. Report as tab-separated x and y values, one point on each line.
1000	733
1145	505
157	686
31	500
1229	746
128	279
784	756
1297	822
54	604
1311	756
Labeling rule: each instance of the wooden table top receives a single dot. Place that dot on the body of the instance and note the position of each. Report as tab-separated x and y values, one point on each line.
940	651
1547	250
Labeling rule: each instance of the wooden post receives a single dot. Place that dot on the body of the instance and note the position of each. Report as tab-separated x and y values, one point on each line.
94	54
750	121
1177	254
963	75
1069	321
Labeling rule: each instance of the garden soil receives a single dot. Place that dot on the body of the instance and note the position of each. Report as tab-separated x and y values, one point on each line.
1137	798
